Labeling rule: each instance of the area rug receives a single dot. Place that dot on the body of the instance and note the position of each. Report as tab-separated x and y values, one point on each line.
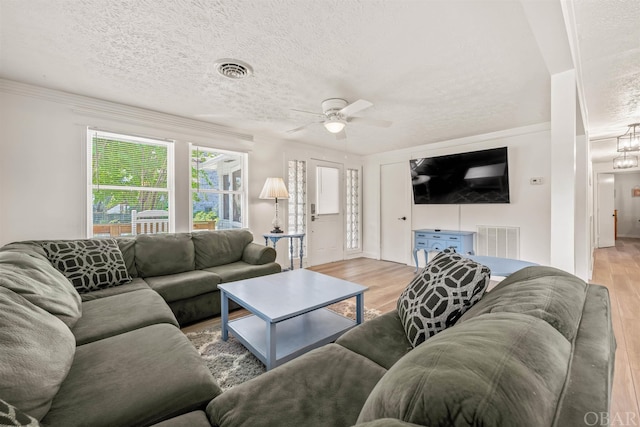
231	363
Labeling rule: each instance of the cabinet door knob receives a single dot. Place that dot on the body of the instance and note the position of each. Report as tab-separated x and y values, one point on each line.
404	218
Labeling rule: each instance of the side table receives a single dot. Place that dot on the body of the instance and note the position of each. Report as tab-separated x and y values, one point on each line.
274	237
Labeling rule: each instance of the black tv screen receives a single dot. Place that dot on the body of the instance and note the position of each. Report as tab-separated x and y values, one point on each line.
473	177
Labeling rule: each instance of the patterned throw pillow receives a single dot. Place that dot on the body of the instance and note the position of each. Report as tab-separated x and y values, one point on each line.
436	298
89	264
11	416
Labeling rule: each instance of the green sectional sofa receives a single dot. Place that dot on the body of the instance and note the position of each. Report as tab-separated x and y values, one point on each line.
537	350
115	356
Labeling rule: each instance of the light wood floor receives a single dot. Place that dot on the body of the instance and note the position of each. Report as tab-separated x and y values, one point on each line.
617	268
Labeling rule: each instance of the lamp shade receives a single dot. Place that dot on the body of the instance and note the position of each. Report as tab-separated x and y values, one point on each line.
274	188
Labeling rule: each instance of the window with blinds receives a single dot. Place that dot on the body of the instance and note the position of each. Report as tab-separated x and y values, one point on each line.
218	190
129	177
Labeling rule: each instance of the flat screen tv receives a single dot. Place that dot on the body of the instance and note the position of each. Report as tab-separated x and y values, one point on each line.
465	178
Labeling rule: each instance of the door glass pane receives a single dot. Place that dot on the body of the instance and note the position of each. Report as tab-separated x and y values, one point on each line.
327	190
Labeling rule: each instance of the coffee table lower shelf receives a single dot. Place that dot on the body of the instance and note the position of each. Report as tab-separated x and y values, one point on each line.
293	337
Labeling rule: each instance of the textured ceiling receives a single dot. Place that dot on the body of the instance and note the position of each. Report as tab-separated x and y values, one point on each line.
437	69
609	39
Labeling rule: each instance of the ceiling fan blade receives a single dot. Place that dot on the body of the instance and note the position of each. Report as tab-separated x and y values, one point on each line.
355	107
370	122
341	135
308	112
302	127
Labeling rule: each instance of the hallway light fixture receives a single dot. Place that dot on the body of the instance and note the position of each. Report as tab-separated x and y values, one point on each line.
630	141
274	188
625	162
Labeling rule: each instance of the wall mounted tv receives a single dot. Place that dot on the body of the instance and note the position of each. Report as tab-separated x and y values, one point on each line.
465	178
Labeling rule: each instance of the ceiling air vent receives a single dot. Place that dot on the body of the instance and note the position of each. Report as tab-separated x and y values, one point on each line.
233	68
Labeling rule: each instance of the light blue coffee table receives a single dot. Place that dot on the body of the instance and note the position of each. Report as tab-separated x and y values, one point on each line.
501	266
288	317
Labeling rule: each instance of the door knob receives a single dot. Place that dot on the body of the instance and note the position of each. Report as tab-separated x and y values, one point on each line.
404	218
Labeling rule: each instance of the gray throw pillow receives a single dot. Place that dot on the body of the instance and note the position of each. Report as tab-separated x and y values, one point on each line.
89	264
440	294
12	416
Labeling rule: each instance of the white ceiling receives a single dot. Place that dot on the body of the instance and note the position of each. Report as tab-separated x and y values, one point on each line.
438	69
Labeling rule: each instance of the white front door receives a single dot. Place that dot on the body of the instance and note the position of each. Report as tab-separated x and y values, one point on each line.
606	207
395	212
326	207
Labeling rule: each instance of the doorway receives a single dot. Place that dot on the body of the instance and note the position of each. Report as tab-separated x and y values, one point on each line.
395	213
326	226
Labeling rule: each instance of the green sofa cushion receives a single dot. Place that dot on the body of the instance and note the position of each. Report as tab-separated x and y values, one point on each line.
325	387
134	285
591	372
174	287
106	317
258	254
552	295
36	354
137	378
127	246
162	254
495	370
35	279
213	248
241	270
191	419
382	339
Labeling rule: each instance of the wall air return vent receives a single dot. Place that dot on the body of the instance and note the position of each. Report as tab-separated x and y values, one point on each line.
233	68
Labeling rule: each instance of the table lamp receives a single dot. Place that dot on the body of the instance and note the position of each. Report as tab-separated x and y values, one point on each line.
274	188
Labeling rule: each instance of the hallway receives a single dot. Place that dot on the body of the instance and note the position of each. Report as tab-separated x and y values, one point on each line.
618	268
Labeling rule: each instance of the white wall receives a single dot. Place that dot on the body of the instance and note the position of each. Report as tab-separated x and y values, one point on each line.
628	207
43	172
530	207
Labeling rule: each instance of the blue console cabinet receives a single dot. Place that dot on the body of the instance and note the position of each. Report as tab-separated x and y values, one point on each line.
437	240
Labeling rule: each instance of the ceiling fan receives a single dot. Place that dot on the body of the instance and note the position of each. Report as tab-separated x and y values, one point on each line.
336	113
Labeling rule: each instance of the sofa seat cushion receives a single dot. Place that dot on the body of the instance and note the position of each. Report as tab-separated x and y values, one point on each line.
33	277
36	353
89	264
162	254
191	419
106	317
137	378
552	295
502	369
438	296
325	387
381	339
174	287
240	270
219	247
134	285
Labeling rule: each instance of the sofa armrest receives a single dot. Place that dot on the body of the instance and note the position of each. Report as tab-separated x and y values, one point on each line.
257	254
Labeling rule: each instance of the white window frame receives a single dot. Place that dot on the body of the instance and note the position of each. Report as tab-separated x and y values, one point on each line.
125	137
243	192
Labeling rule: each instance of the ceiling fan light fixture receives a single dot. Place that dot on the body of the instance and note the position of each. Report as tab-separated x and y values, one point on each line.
335	125
630	141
